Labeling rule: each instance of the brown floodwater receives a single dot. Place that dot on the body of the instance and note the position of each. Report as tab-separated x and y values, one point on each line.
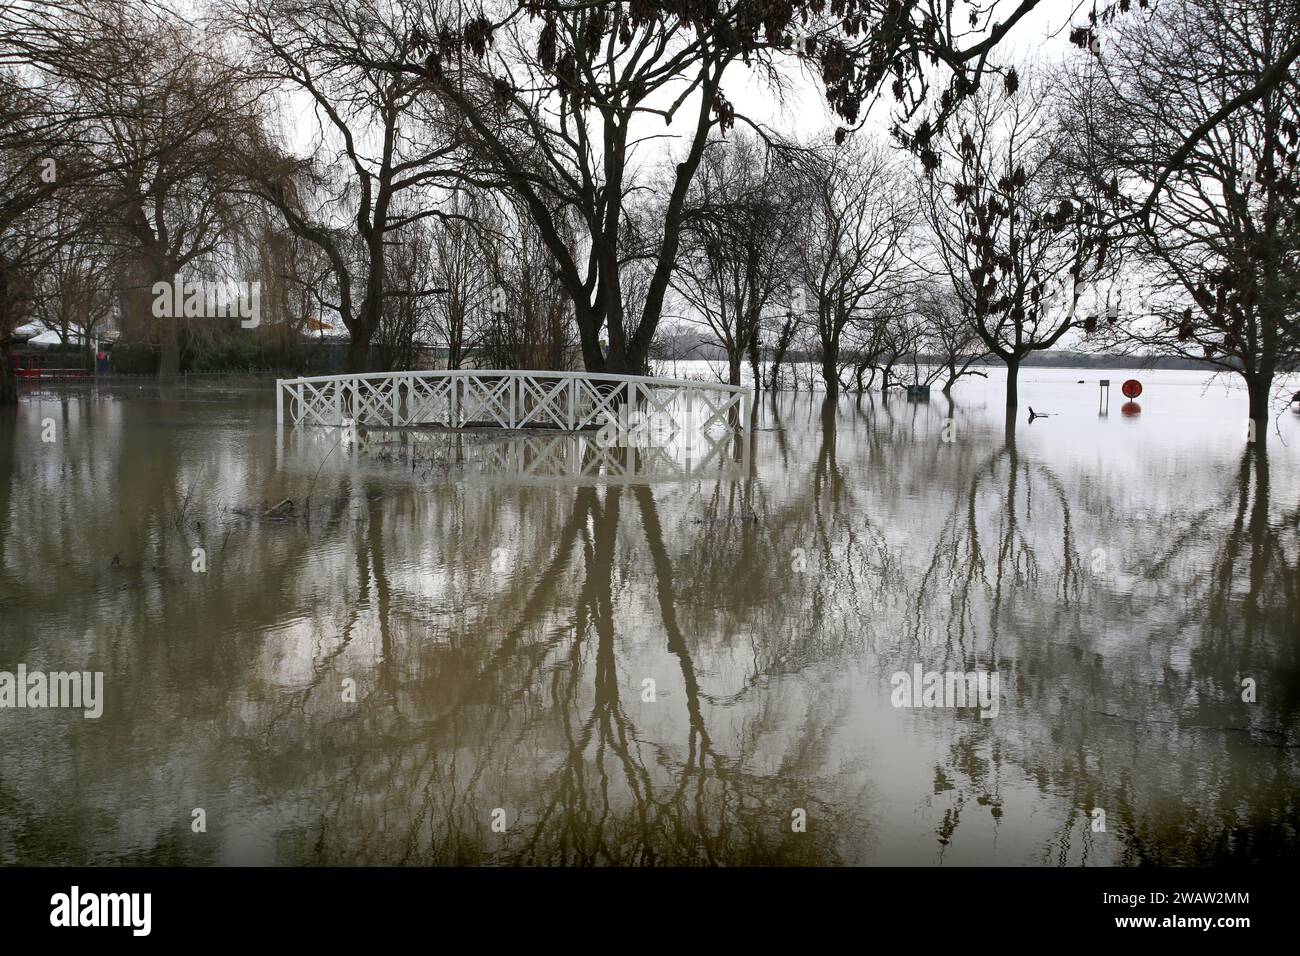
438	650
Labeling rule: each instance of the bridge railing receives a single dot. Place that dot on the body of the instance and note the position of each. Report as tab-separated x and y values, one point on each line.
570	401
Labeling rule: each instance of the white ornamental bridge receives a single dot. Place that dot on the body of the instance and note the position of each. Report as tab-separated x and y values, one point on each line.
465	398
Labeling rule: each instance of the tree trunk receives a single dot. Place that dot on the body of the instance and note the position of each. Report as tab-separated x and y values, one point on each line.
830	370
593	359
169	361
1258	387
733	368
778	354
359	349
165	329
8	381
8	321
1013	385
638	357
631	362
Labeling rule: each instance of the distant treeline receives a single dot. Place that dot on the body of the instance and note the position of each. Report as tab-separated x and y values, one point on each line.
1050	358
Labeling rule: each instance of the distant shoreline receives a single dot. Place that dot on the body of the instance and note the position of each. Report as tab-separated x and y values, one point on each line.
1048	359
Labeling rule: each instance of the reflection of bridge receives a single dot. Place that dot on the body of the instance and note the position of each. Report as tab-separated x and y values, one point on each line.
571	401
518	459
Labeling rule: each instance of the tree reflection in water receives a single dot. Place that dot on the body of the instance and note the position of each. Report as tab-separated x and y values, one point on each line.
1122	613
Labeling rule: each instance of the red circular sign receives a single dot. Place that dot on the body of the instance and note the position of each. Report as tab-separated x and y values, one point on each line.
1132	388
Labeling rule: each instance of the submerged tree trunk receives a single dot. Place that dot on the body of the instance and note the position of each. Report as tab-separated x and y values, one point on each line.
1013	385
755	360
8	381
733	367
161	319
169	360
887	373
1258	386
830	369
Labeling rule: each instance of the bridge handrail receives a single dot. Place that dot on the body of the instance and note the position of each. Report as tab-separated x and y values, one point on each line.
519	373
385	396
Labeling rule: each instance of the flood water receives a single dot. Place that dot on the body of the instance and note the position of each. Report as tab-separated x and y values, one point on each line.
438	653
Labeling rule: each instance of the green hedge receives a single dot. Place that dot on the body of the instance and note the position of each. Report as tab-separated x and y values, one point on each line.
243	354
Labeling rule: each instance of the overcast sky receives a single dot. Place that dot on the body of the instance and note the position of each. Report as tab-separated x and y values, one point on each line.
1042	36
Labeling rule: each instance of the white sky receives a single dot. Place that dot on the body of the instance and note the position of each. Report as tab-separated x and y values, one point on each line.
1042	36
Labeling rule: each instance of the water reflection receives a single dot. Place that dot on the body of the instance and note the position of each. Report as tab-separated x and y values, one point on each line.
520	457
367	675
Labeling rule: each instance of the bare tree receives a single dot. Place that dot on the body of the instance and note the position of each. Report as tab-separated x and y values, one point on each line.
558	100
166	112
950	338
1220	240
1008	228
408	323
74	290
530	323
460	264
43	155
295	277
378	144
851	248
1273	68
738	244
25	144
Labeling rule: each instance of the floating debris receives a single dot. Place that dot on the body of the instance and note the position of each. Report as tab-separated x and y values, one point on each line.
283	510
727	519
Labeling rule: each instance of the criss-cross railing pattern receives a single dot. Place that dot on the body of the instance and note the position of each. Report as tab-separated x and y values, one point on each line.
570	401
